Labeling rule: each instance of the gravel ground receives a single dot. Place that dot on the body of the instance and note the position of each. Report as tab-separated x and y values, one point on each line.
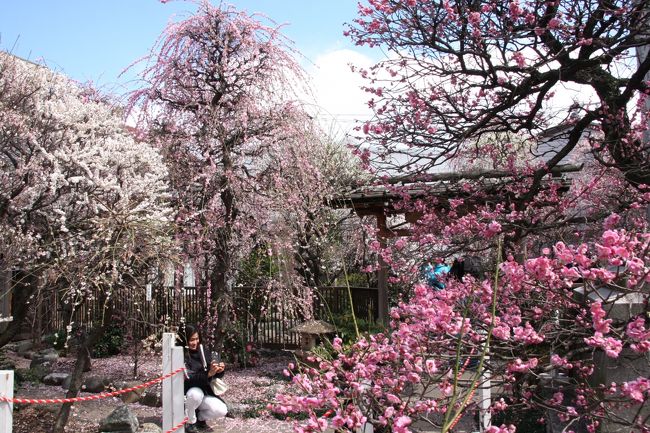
250	391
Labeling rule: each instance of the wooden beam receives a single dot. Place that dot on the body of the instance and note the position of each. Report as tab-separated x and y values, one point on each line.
382	274
472	175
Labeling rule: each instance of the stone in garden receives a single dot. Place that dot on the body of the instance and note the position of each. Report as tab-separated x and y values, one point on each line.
151	399
95	384
45	355
310	331
132	396
55	378
6	363
11	346
152	344
121	420
149	427
43	363
270	353
238	409
24	346
39	371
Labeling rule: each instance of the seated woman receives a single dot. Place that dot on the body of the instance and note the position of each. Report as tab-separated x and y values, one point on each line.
200	402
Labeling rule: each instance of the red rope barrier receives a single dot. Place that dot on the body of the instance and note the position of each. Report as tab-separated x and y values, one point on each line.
177	426
471	394
455	421
91	397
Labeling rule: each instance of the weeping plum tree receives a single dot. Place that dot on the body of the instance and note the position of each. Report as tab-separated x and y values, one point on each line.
219	99
470	85
324	238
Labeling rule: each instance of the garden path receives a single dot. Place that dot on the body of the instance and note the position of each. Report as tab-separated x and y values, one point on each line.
251	389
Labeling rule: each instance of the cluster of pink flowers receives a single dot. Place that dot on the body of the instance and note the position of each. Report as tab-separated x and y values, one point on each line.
639	334
543	314
638	390
367	380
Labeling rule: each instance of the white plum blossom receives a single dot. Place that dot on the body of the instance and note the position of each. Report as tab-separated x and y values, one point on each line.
82	202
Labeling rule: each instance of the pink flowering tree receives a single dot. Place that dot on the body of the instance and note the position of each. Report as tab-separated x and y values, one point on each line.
458	72
470	87
412	373
219	98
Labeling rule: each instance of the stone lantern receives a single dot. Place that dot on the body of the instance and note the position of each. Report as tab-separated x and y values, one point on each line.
310	331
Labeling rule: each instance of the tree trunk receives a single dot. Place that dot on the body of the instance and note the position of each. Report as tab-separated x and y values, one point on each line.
82	364
222	280
37	328
222	300
23	289
222	324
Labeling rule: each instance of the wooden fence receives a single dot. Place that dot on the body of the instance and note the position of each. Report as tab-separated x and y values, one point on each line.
142	311
332	301
147	310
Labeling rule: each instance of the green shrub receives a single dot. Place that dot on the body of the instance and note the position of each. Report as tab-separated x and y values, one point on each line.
110	343
257	268
355	279
294	416
323	351
25	375
345	331
254	409
344	324
6	363
56	340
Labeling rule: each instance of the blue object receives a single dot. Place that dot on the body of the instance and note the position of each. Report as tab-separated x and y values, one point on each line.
431	273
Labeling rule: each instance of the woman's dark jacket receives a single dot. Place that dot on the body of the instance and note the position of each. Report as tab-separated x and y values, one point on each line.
197	376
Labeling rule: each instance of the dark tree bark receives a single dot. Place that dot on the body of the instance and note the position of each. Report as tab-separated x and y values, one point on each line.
82	364
23	288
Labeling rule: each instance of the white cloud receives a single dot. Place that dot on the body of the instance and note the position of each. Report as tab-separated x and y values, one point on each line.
339	99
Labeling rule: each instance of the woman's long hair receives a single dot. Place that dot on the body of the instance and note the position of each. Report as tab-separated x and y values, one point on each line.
185	332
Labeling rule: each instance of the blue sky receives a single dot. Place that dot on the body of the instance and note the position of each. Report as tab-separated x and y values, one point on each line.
94	40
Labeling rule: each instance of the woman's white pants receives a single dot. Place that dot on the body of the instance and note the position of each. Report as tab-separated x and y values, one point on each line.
204	406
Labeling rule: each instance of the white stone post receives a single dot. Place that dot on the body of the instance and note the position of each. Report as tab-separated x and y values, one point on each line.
485	399
366	428
173	393
6	408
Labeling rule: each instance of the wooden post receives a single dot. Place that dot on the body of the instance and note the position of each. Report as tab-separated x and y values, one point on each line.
6	408
173	393
382	274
